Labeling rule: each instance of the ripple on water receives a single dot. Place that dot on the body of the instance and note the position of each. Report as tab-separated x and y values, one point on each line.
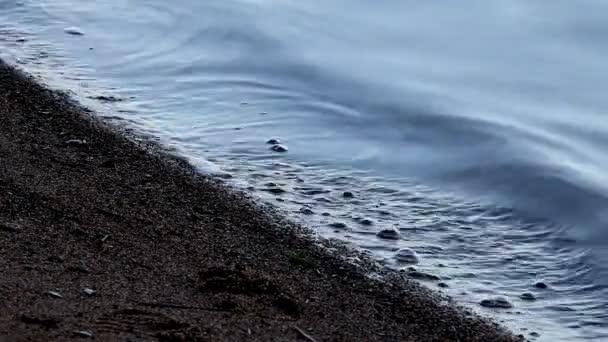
488	250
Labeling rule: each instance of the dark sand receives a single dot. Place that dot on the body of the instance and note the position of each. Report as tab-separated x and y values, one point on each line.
171	255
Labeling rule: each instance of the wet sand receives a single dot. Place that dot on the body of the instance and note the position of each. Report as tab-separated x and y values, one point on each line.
170	255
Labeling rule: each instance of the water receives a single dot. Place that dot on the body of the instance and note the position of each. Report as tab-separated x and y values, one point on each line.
478	130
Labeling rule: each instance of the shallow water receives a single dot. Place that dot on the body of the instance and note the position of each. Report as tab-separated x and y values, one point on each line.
478	130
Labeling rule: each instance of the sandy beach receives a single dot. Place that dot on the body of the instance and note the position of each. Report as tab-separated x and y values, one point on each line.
102	238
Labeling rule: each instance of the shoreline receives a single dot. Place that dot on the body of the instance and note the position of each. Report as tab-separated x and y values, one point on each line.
170	255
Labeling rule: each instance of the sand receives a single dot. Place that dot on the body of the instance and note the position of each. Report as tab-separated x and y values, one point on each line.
171	255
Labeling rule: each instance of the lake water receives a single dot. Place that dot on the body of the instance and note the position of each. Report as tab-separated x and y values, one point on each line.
479	130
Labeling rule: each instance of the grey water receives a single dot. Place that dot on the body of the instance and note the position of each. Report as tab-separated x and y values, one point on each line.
478	129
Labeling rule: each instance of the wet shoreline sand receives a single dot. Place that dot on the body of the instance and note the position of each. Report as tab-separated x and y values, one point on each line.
170	255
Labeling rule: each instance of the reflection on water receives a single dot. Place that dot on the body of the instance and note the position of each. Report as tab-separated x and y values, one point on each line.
475	130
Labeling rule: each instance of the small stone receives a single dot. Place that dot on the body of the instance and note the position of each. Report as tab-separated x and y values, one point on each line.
75	31
107	98
21	40
314	192
422	276
338	225
407	256
540	285
306	211
326	214
76	142
389	234
498	302
273	142
54	294
534	334
83	333
527	296
348	194
443	285
274	191
89	292
222	175
366	222
279	148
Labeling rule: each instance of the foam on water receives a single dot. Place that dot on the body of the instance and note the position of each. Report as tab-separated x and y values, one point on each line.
475	130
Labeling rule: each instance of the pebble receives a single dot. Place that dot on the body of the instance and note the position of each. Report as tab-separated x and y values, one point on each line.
338	225
306	211
107	98
366	222
540	285
348	194
279	148
534	334
527	296
275	191
273	142
315	192
76	142
326	214
89	292
422	276
498	302
54	294
407	256
83	333
443	285
21	40
389	234
75	31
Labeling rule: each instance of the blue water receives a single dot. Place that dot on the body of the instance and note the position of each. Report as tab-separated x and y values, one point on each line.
477	129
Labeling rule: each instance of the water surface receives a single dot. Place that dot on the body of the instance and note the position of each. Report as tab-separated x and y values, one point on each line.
476	129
